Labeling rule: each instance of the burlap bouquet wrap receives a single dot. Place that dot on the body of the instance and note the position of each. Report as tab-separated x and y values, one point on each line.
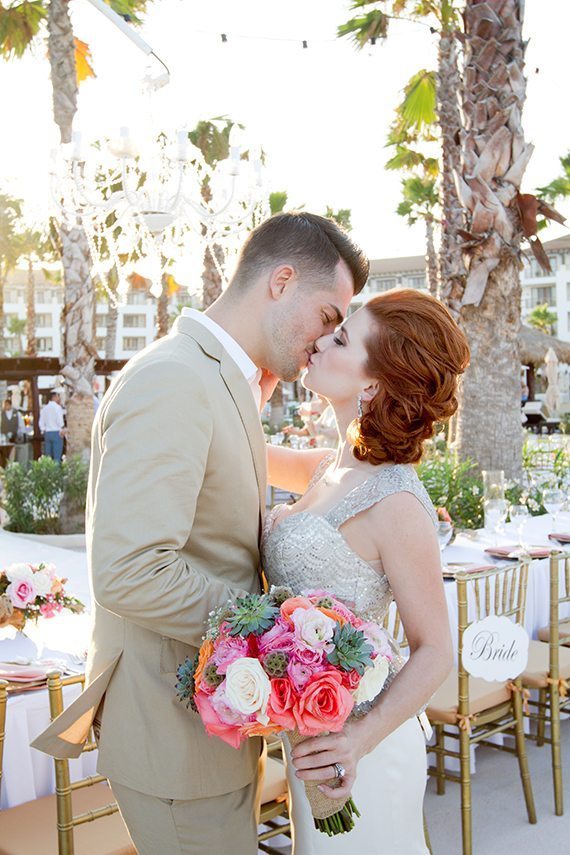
9	616
321	806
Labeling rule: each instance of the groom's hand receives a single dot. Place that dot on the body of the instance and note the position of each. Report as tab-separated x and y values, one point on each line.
267	385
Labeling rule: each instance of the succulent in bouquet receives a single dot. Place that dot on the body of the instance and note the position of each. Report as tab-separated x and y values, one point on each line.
277	662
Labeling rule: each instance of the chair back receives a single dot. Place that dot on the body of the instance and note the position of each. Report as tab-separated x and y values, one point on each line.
559	595
500	591
3	702
393	625
66	821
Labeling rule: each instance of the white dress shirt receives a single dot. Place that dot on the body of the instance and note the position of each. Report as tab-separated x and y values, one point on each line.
51	417
248	368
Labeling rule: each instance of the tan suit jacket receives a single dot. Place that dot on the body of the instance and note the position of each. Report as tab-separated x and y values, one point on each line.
176	493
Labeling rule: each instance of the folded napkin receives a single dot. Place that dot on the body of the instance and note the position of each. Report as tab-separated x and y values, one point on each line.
560	536
15	673
515	551
450	570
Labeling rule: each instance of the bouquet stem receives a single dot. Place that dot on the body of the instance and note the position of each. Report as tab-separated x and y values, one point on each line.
330	816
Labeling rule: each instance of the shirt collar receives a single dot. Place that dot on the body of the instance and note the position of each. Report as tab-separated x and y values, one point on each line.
248	368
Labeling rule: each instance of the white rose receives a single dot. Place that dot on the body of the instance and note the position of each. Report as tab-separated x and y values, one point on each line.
372	681
313	629
248	687
42	583
20	573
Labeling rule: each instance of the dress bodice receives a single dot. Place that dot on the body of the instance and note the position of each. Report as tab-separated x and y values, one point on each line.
307	551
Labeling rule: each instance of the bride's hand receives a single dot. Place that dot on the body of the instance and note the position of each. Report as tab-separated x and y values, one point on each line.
314	758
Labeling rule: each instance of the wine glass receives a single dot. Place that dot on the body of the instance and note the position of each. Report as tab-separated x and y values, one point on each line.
495	515
519	515
553	499
444	533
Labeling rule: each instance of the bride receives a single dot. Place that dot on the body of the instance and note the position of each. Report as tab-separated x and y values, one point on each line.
364	530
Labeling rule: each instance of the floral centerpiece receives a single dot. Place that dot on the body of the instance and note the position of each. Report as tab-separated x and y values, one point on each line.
30	591
277	662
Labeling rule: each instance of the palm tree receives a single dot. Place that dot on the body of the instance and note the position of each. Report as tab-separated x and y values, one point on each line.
212	138
10	249
17	327
21	24
420	198
558	188
430	107
541	318
35	247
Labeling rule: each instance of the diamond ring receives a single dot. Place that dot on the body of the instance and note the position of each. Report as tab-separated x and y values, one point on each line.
339	770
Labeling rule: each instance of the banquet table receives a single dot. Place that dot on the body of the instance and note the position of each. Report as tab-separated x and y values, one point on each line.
28	774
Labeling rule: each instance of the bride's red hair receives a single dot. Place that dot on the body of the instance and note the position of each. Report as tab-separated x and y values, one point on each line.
416	353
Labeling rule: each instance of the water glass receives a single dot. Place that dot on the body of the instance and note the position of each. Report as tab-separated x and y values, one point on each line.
553	501
493	484
495	515
519	515
444	533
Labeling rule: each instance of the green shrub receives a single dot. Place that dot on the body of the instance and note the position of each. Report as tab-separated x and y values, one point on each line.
35	493
454	485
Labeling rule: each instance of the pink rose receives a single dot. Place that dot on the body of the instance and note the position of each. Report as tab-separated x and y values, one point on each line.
21	592
350	680
213	724
279	637
226	713
313	658
50	608
281	703
227	650
299	674
376	636
313	629
324	705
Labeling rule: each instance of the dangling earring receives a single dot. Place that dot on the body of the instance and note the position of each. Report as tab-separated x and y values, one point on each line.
360	410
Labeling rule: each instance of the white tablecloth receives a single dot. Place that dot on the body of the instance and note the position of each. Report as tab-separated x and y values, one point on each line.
29	774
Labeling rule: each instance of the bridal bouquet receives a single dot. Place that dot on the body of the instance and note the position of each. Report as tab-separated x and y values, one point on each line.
32	591
277	662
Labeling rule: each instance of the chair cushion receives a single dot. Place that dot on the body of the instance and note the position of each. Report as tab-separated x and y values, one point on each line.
274	782
564	630
31	828
482	696
538	665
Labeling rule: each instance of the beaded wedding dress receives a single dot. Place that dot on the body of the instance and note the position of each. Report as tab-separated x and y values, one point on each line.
305	551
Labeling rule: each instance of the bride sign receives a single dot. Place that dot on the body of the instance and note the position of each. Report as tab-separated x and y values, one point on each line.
495	649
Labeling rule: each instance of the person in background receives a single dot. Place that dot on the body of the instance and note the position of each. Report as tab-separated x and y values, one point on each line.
12	424
53	427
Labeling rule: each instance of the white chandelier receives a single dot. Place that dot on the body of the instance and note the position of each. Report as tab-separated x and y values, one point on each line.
146	207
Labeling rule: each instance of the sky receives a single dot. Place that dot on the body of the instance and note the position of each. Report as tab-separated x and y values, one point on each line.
321	113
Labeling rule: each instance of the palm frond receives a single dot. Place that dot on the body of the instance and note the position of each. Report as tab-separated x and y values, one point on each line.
372	25
19	25
418	109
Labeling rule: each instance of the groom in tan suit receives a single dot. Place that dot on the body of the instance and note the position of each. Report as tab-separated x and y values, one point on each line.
175	504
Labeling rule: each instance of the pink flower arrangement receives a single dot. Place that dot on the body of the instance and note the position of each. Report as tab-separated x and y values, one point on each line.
31	591
279	662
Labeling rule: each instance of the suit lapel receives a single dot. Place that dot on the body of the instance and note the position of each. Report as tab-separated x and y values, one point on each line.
239	389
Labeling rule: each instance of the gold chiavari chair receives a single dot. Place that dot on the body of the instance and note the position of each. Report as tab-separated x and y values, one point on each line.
91	795
3	702
548	671
274	798
480	709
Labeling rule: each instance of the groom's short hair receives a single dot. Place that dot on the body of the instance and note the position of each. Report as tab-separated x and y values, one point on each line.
313	244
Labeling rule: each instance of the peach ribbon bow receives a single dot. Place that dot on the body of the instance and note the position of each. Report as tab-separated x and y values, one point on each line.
524	693
562	685
464	721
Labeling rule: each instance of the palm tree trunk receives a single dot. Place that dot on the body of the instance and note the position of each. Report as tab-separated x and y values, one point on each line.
451	264
111	330
494	157
431	259
211	279
162	311
31	343
79	351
